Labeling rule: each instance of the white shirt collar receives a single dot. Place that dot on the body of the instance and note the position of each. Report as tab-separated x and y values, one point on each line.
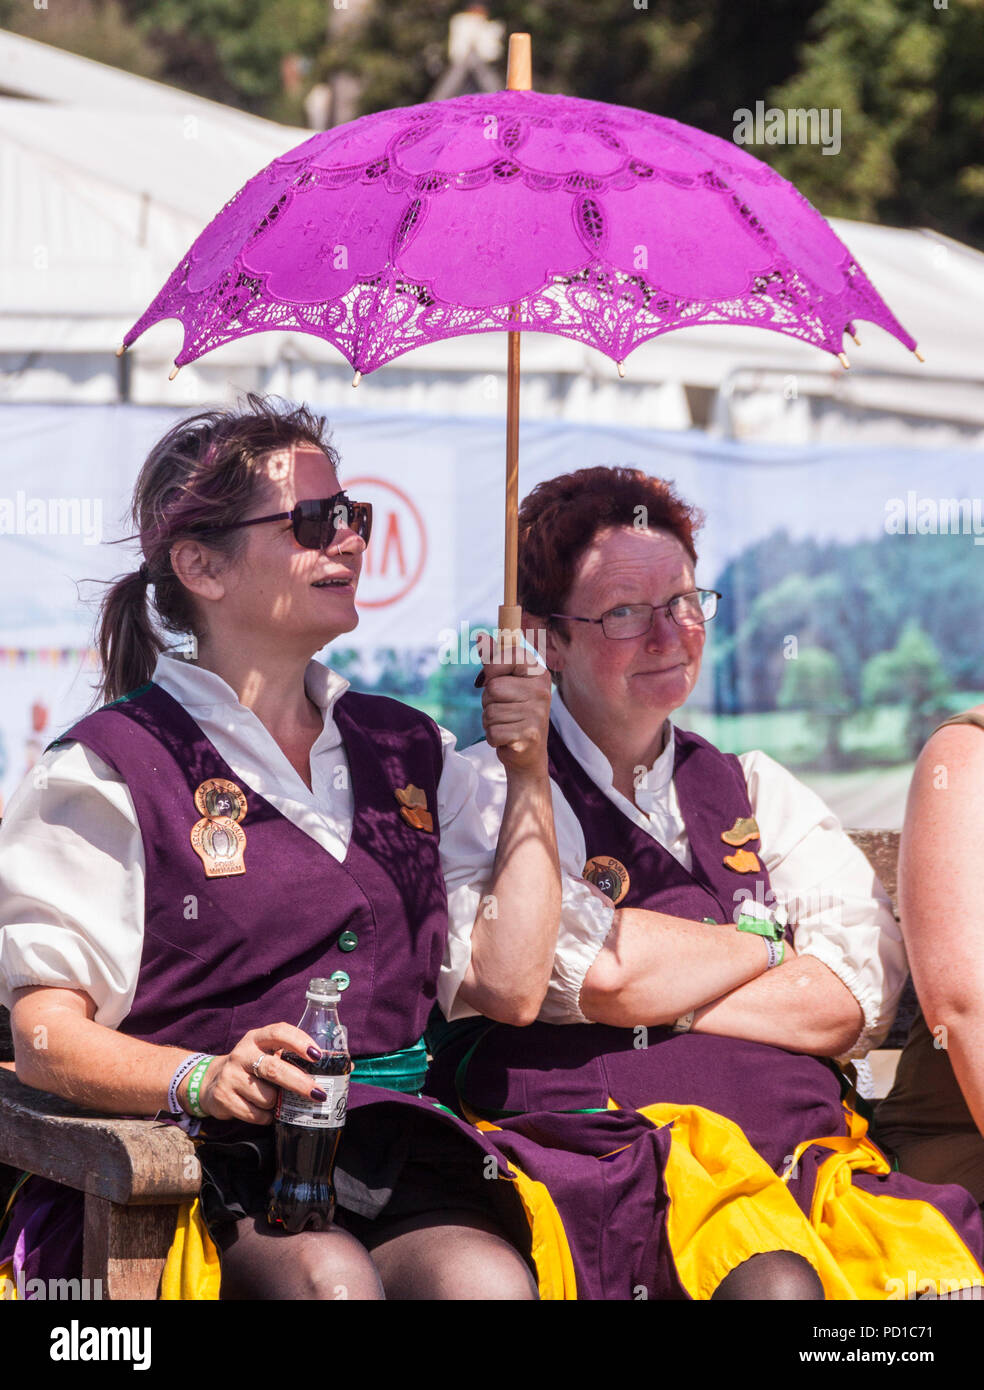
596	765
199	689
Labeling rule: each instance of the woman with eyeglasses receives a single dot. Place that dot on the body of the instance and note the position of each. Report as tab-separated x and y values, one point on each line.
721	939
191	854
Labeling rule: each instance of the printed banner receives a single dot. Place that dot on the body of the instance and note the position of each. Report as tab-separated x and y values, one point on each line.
852	578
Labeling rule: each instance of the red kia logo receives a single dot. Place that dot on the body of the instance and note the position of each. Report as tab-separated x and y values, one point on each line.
397	551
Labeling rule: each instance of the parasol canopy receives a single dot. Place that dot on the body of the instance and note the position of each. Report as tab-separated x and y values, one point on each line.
515	211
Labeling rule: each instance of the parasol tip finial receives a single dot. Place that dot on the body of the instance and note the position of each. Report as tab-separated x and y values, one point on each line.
171	375
918	355
357	378
857	340
621	368
842	358
121	349
519	73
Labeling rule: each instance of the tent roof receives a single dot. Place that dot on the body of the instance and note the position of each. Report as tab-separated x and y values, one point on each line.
39	70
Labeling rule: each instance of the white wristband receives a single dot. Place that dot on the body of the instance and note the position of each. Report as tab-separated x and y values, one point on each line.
777	952
183	1069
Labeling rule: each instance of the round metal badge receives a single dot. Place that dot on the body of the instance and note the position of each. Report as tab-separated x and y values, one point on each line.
609	875
217	797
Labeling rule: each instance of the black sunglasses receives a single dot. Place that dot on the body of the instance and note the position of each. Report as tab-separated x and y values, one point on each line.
315	521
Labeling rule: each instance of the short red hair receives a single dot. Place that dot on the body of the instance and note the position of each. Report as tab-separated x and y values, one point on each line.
561	517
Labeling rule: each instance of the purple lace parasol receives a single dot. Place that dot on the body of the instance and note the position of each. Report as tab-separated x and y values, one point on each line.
515	210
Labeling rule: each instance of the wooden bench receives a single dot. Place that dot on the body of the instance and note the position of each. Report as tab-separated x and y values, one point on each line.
135	1173
881	848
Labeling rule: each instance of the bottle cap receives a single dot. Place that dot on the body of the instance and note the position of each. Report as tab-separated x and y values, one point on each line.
324	990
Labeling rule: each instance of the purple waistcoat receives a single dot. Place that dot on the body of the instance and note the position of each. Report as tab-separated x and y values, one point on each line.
224	955
777	1097
712	793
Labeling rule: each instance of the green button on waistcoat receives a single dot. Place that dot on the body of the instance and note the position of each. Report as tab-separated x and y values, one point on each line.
341	979
348	941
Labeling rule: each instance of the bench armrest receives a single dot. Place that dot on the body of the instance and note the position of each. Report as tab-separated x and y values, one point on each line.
130	1162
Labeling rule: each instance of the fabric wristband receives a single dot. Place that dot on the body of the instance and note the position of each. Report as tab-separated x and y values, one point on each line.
777	953
195	1085
758	926
183	1069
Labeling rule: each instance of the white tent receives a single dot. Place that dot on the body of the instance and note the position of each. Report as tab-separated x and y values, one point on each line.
107	178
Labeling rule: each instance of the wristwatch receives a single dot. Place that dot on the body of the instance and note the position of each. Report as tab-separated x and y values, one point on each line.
685	1022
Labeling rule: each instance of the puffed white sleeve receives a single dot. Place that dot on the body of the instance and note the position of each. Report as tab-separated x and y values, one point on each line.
467	856
586	915
72	883
840	912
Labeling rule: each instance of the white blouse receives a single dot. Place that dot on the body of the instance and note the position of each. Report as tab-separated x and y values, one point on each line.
72	859
841	913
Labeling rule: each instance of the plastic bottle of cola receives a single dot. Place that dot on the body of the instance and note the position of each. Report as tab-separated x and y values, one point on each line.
307	1131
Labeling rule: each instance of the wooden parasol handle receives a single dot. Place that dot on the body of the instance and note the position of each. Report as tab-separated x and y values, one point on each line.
519	78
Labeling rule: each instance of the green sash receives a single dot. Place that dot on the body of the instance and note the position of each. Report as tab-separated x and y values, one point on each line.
397	1071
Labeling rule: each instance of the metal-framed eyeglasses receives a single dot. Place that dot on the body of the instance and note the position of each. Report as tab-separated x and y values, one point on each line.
689	610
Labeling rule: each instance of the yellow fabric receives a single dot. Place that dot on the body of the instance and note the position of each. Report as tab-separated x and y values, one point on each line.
550	1250
192	1268
886	1247
727	1204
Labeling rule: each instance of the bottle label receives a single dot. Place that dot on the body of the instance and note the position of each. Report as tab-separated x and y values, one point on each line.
326	1114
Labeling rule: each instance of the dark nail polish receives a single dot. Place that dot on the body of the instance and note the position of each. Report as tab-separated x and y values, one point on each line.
315	1054
319	1094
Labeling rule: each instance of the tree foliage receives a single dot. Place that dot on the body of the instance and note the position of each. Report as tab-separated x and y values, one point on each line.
812	680
911	673
905	75
854	601
97	29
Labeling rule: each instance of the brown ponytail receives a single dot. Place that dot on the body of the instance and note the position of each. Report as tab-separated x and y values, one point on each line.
128	645
204	472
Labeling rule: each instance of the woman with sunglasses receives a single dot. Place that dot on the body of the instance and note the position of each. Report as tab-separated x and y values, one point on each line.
679	999
191	854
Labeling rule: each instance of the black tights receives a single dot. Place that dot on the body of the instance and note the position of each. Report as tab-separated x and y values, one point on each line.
445	1255
778	1275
